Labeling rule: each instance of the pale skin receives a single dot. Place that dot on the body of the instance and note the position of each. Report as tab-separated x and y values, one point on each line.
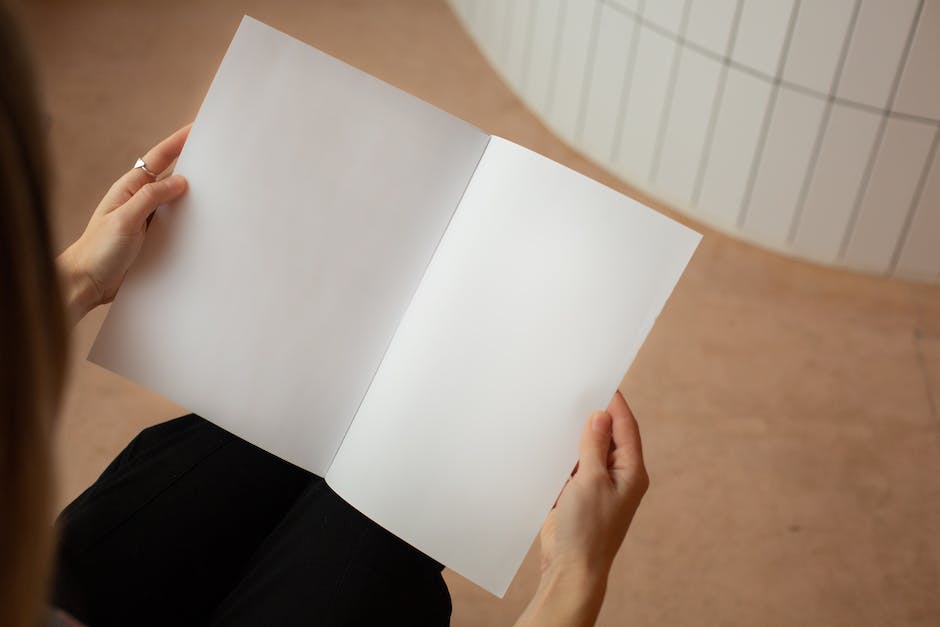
94	266
584	530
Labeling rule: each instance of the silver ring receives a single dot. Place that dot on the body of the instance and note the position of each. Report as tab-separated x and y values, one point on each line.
143	166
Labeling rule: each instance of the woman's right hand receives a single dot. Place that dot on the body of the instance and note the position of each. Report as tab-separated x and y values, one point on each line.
583	532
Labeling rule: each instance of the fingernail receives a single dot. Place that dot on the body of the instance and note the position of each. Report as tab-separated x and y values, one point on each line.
602	422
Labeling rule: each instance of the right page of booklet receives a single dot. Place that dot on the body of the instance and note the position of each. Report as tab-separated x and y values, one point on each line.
535	303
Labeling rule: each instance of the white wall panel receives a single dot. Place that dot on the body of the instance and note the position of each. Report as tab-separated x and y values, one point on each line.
689	116
710	23
733	148
666	14
919	91
897	169
761	33
818	38
881	35
630	5
834	184
576	42
790	140
644	105
515	38
920	254
602	108
542	49
488	24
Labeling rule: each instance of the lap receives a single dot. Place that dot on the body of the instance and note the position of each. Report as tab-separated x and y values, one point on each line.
346	569
169	525
191	524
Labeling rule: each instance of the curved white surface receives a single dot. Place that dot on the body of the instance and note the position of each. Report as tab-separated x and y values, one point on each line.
808	127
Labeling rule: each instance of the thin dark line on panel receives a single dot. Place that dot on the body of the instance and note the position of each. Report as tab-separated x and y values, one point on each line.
627	77
507	30
670	91
915	201
809	91
588	71
900	115
527	50
862	189
879	138
809	175
768	116
716	106
556	58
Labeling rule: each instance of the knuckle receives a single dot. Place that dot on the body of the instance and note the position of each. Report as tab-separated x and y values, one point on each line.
146	191
634	480
151	192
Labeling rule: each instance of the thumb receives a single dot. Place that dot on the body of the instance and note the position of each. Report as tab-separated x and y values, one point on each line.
146	200
595	441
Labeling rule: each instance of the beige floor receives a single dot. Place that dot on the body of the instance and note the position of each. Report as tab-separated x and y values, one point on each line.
789	412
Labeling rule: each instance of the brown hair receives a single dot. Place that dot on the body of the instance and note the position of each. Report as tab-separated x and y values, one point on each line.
33	342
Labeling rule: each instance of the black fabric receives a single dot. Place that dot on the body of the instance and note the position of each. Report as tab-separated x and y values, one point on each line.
191	525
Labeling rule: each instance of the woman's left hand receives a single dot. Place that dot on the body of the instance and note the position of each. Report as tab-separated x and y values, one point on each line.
93	267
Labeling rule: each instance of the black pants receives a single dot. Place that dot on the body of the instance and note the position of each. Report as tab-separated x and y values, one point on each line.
191	525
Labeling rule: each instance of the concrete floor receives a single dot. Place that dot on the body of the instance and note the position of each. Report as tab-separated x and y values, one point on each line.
789	412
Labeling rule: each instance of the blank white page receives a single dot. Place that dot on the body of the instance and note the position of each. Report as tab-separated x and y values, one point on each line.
265	299
541	292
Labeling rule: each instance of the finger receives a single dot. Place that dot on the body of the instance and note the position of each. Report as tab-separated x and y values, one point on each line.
626	431
595	442
627	456
158	159
134	212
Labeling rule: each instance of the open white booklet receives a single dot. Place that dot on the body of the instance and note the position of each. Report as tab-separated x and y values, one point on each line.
387	296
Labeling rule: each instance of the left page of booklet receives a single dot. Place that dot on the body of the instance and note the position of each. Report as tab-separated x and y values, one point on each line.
266	297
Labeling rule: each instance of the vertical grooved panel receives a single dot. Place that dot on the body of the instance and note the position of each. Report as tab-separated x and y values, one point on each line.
685	137
761	34
737	131
920	252
777	186
665	13
878	42
919	89
573	54
888	195
834	184
644	106
817	42
515	38
535	91
603	98
710	24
